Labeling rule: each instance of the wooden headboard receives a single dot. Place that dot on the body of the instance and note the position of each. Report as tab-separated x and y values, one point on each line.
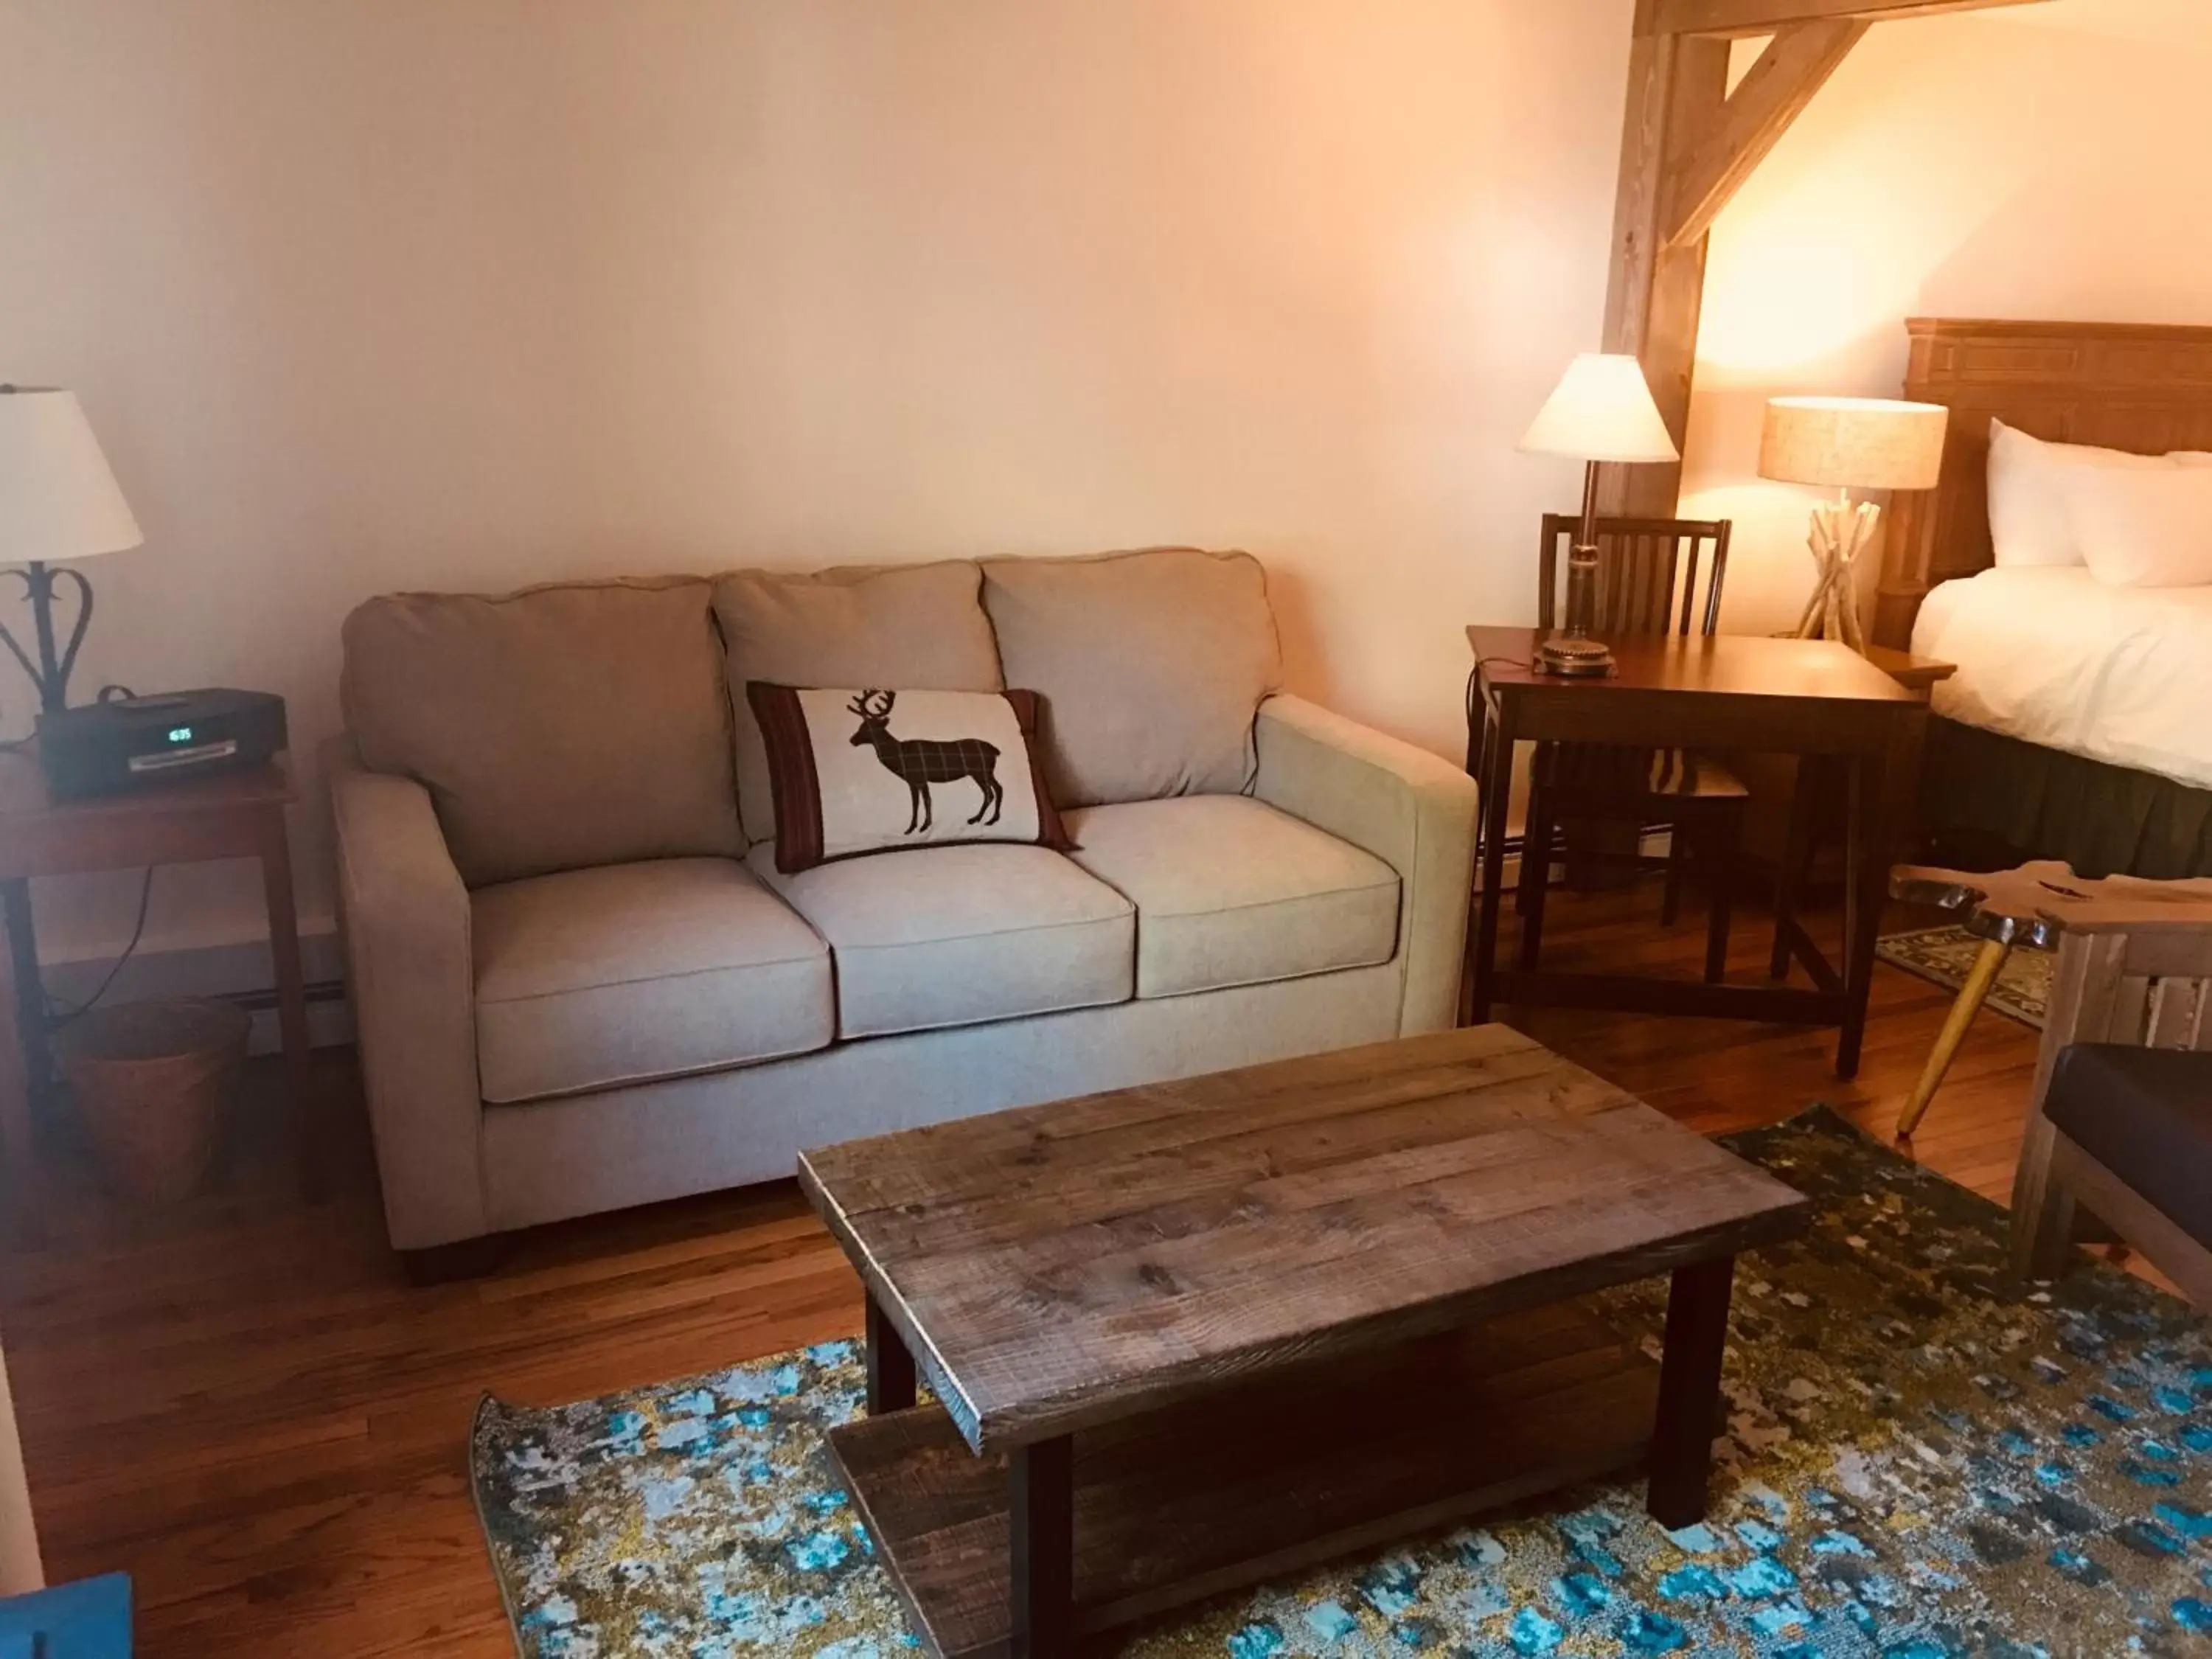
2122	385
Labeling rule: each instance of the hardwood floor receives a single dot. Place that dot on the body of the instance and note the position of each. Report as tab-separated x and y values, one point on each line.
241	1403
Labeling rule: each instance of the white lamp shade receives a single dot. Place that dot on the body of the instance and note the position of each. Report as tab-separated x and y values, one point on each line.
58	499
1853	443
1603	410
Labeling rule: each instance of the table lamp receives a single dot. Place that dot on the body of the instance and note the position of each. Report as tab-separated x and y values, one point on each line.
1603	410
58	500
1847	444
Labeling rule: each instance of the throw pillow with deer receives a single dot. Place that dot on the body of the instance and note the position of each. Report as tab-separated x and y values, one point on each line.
876	770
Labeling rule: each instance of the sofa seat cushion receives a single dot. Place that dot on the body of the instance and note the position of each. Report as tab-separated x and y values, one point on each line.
958	935
1230	891
629	972
2145	1114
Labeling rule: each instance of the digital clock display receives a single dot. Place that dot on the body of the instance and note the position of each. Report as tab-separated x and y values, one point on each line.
180	734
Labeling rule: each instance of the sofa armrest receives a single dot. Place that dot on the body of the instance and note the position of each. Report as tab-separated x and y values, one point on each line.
1412	811
404	914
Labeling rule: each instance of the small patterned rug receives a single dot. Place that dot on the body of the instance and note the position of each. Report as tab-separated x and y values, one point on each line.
1944	954
1924	1461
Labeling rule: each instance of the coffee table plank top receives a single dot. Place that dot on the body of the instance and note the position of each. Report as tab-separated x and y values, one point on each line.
1063	1266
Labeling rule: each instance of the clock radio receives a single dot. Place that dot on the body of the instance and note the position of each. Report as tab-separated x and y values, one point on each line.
131	743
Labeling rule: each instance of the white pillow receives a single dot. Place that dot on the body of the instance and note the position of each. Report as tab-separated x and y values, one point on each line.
2027	514
2142	527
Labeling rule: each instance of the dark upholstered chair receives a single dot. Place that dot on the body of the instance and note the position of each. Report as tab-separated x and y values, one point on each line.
1655	576
2133	1145
2120	1125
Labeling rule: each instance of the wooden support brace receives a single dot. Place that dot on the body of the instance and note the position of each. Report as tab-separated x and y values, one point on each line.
1678	91
1686	147
1746	17
1796	63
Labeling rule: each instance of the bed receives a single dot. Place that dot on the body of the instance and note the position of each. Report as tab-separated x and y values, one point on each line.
2078	724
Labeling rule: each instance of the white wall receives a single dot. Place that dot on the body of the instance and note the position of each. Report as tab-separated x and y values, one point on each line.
364	294
2053	162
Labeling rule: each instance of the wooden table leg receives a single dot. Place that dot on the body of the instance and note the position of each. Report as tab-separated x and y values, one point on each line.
1797	865
291	1000
1861	907
890	1367
29	1000
1881	804
1723	845
1988	963
18	1142
1480	740
1496	787
1689	1392
1536	884
1042	1517
1481	751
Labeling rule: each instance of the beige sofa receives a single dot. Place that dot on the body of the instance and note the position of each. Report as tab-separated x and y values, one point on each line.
580	983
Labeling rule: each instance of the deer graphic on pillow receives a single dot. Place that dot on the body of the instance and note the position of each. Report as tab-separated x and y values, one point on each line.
921	762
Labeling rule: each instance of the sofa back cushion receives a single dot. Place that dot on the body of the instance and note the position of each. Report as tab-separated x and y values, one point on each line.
555	728
1153	666
918	626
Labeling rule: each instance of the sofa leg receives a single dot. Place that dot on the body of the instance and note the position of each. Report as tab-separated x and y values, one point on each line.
447	1264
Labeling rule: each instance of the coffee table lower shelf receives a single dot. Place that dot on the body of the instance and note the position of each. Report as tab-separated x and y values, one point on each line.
1252	1481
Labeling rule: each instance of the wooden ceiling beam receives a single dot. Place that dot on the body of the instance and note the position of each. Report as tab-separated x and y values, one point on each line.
1741	17
1677	96
1687	146
1795	65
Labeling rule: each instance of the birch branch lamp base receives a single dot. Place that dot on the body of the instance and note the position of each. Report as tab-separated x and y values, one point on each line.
1842	532
1844	444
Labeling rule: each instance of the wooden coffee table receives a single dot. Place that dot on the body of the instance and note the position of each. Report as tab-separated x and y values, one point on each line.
1190	1336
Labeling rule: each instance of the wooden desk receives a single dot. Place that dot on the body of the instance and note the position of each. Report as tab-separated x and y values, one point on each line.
236	815
1804	697
1798	808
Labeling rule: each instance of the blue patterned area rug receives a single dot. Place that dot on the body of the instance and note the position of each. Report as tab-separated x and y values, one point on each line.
1923	1462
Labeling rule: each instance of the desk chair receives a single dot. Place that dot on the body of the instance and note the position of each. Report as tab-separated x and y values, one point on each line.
2120	1122
1649	577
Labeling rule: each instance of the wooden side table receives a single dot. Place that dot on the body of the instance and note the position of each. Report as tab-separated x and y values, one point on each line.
2033	908
233	815
1919	674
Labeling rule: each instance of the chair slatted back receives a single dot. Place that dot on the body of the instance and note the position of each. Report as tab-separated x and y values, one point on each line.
1648	572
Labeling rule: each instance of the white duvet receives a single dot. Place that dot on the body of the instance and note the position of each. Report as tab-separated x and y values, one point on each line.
2052	655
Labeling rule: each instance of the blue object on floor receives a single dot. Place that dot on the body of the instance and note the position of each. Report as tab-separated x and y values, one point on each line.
88	1620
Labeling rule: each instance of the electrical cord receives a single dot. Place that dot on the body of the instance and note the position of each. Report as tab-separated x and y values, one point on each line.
137	934
57	1016
1474	684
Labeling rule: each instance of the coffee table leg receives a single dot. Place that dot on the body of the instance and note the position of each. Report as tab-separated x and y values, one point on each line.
890	1367
1689	1392
1043	1527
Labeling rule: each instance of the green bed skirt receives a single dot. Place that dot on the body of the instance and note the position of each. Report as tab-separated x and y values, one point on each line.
1980	792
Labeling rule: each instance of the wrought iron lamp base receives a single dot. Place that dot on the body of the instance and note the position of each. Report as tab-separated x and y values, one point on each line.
1574	657
50	668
